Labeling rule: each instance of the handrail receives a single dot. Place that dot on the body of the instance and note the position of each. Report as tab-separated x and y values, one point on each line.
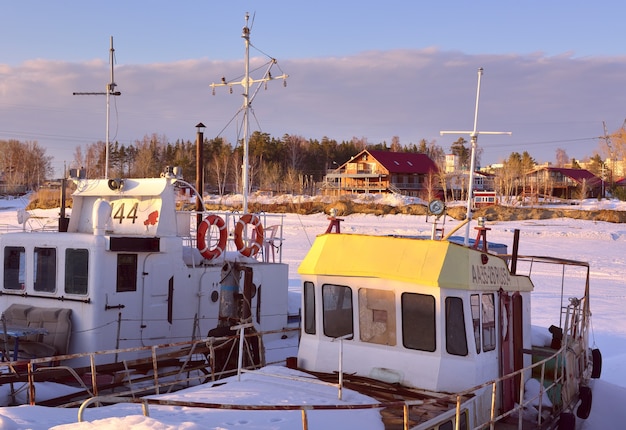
151	355
458	399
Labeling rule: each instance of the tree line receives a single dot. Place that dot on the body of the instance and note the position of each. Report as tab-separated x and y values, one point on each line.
290	164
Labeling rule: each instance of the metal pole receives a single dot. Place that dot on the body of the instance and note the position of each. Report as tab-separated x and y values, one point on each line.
340	394
110	91
473	138
470	190
246	90
106	139
199	173
246	82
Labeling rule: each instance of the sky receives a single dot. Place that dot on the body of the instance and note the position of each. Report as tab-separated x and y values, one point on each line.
599	243
553	72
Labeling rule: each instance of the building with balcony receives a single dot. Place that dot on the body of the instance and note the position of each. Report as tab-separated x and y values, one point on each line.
563	183
406	173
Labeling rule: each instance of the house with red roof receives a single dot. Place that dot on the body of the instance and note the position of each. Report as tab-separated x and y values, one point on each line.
564	183
406	173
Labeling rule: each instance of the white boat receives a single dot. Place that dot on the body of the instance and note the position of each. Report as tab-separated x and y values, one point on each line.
449	321
129	271
134	267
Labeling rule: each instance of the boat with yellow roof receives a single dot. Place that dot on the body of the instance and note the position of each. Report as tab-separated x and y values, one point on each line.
451	325
445	325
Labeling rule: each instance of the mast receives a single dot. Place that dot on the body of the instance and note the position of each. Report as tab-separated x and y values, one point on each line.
246	110
110	91
246	83
474	139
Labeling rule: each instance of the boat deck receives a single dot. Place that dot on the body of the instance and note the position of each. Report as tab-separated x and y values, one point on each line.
384	392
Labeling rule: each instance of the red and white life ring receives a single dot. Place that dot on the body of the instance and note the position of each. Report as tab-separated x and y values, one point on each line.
255	242
203	245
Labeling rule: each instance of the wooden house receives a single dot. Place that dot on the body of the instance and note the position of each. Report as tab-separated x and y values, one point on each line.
406	173
563	183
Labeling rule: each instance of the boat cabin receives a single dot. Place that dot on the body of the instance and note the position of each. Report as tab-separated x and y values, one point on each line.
424	313
442	318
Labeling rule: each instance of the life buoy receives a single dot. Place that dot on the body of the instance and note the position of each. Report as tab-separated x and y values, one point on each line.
256	242
203	245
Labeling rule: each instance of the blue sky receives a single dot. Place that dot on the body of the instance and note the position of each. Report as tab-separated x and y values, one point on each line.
554	70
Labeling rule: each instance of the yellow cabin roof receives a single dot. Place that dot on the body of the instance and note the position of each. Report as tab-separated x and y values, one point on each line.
426	262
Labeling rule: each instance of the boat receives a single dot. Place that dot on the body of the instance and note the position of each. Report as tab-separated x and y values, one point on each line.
136	278
444	323
451	325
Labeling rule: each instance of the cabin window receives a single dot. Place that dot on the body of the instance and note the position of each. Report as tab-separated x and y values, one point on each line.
475	307
14	268
76	270
126	272
418	321
377	316
309	308
456	341
45	269
489	322
337	307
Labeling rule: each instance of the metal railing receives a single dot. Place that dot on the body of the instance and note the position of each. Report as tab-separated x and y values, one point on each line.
462	401
195	359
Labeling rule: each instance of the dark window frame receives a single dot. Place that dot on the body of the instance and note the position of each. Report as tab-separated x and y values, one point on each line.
309	308
489	329
419	331
45	269
126	279
76	271
456	338
338	310
14	263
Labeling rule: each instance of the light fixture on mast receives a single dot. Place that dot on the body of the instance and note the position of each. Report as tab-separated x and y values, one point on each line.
110	91
246	83
474	139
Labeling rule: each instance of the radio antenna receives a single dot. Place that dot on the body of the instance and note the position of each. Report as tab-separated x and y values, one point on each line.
246	83
110	91
474	138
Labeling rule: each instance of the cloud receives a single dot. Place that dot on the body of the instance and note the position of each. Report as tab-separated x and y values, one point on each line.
547	102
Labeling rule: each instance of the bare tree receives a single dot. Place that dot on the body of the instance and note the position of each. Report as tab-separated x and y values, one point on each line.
292	181
147	160
12	163
25	165
359	143
561	157
220	165
39	166
294	150
395	144
431	182
582	190
92	161
271	177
